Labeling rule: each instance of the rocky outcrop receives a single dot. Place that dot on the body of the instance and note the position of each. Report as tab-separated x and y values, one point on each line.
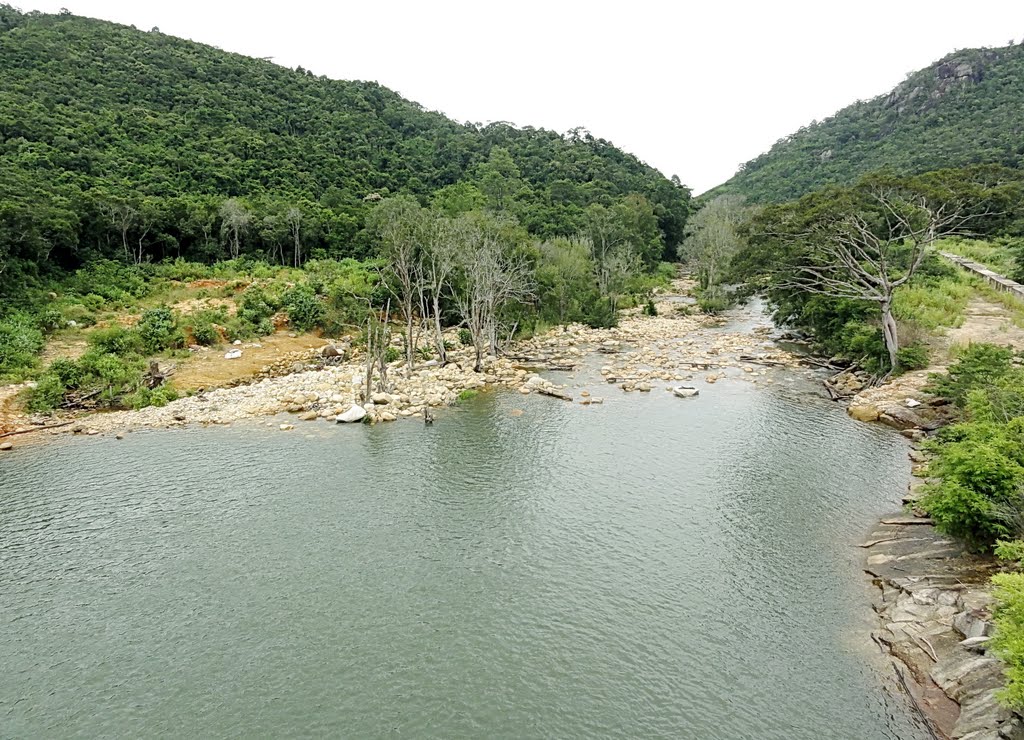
935	610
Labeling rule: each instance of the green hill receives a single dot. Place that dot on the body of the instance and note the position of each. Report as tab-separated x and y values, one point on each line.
962	110
94	113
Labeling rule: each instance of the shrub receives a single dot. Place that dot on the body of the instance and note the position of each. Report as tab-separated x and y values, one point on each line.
465	337
110	280
650	309
116	340
48	393
392	354
20	341
713	301
468	394
305	310
1008	641
144	397
914	357
204	332
978	366
159	330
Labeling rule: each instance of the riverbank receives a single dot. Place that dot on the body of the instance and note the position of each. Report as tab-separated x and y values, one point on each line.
934	598
642	353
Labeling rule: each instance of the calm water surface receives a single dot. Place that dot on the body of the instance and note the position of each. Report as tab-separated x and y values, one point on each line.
652	567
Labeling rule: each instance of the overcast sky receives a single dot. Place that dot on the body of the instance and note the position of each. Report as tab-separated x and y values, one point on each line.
693	89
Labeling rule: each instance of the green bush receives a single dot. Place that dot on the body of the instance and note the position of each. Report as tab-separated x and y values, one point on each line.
305	311
714	300
1008	641
978	366
20	342
116	340
914	357
204	332
650	309
159	330
48	393
392	354
144	397
112	281
465	337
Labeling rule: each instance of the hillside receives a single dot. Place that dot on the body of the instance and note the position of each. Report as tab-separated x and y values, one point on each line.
964	109
95	116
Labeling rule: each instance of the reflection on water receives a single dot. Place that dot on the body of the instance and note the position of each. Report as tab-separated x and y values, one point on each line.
649	567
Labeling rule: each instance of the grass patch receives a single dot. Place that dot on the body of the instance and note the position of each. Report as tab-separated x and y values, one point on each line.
936	305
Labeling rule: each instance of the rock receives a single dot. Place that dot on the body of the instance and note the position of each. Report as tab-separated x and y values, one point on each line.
685	391
286	427
863	413
354	414
309	416
975	644
381	399
584	394
118	436
912	403
4	446
901	418
237	342
644	387
233	354
331	351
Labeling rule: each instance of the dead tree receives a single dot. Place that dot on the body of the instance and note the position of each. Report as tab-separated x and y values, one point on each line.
491	278
857	257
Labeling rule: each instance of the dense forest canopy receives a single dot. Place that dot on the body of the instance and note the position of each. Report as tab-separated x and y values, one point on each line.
116	142
963	110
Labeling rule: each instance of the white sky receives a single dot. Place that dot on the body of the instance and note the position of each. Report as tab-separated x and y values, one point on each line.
693	89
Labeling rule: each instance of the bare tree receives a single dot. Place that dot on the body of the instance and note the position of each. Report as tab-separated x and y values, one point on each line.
491	278
865	258
400	227
123	217
294	217
445	240
235	219
378	339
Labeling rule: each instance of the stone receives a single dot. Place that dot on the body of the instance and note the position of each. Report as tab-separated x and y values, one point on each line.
233	354
354	414
286	427
6	446
975	644
912	403
381	399
685	391
863	412
644	387
309	416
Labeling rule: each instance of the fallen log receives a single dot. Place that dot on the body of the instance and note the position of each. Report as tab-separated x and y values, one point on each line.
554	394
36	429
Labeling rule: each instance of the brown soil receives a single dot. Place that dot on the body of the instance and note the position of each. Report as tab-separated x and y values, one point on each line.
985	321
208	368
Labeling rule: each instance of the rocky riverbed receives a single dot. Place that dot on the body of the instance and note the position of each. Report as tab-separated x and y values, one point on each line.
640	354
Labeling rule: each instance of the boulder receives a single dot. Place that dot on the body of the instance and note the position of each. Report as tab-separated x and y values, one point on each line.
309	416
381	399
6	446
685	391
354	414
233	354
863	412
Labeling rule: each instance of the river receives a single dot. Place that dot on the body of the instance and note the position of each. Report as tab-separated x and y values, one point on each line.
649	567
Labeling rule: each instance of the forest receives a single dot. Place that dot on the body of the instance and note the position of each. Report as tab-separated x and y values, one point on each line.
962	110
121	144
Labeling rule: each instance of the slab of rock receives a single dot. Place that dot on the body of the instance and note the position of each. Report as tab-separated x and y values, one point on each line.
4	446
354	414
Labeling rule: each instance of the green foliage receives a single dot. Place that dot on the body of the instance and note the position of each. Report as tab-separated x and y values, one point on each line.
714	300
465	337
20	340
913	357
1008	641
468	394
125	145
650	309
305	310
116	340
962	110
393	354
143	397
977	367
159	331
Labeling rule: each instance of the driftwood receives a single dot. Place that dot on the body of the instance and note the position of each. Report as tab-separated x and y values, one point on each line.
36	429
554	393
763	361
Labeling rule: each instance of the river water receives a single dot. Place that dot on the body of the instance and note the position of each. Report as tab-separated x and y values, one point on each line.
650	567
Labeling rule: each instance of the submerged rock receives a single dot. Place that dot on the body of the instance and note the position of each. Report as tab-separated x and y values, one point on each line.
685	391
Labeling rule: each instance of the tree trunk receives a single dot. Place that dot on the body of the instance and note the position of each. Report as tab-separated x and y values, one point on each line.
442	354
889	331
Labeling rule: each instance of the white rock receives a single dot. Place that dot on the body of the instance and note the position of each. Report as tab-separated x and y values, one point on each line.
237	342
912	403
233	354
354	414
685	391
